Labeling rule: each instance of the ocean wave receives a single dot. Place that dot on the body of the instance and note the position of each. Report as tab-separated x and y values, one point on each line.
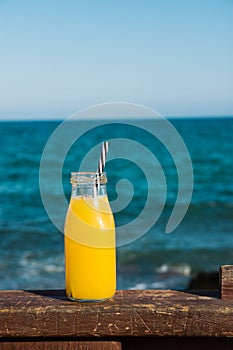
32	271
165	276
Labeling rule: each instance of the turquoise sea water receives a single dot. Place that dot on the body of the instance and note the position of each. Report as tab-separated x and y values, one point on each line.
31	247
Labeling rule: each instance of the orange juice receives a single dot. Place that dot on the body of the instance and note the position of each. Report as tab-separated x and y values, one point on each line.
90	255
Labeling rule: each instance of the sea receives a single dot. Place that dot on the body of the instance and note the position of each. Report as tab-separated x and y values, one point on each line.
31	246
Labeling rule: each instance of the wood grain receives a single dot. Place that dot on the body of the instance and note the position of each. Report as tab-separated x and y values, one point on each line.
147	313
226	282
61	345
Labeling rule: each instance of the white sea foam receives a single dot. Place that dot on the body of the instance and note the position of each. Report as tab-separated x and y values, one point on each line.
182	269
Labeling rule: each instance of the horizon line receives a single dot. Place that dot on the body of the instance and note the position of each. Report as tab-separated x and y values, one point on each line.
50	119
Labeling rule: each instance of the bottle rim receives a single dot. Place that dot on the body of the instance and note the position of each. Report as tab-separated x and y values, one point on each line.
87	177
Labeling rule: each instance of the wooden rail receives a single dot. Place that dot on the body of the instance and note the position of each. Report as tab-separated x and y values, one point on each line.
148	319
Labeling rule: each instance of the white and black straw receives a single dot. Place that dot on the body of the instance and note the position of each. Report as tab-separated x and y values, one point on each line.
103	157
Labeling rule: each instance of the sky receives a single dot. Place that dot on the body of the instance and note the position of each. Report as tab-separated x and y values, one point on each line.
59	56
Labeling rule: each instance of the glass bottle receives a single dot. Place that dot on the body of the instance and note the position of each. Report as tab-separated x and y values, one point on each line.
90	254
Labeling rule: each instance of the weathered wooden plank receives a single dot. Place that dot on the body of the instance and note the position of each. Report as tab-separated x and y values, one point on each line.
226	281
177	343
60	345
128	343
129	313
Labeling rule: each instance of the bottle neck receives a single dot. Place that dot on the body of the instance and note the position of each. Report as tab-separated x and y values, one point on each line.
88	190
88	185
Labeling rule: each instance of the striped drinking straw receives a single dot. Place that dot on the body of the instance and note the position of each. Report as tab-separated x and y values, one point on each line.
103	157
101	165
102	160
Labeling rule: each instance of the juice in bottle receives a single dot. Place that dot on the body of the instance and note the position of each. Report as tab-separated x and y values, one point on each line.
90	255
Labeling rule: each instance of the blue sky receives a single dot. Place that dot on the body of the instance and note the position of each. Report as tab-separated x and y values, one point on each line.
58	56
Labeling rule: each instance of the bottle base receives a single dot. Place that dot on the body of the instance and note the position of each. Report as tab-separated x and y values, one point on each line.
86	300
